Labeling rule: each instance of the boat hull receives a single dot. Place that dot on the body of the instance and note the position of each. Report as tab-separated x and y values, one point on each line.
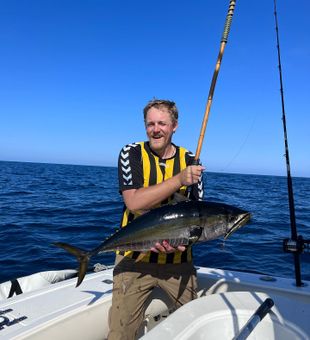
63	311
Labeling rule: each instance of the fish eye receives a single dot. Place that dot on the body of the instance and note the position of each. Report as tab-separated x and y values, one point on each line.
231	218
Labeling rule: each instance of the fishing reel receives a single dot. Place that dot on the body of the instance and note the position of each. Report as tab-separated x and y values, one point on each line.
296	246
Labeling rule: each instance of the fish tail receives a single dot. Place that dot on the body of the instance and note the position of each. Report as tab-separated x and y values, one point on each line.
82	256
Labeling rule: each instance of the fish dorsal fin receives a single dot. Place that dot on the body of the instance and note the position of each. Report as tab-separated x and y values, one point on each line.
177	198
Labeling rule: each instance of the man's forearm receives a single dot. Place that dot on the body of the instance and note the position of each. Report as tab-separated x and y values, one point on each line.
147	198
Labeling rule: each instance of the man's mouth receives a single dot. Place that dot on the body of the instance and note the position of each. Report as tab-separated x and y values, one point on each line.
157	137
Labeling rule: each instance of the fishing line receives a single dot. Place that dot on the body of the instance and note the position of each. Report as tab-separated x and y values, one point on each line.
241	146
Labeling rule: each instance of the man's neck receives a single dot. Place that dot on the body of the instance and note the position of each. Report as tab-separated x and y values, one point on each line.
166	153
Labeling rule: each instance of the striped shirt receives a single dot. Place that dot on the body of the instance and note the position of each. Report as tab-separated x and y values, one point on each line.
139	166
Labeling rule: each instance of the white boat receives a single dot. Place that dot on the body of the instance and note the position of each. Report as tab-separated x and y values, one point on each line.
32	282
227	300
227	308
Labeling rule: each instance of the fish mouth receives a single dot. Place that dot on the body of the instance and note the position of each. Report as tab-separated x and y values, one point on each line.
241	221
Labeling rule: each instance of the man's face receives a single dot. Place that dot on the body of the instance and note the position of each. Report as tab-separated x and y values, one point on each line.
159	129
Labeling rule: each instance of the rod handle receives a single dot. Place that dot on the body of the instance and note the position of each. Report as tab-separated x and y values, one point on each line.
189	189
264	308
258	316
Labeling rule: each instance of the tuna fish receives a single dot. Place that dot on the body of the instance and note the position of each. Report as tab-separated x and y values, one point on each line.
182	223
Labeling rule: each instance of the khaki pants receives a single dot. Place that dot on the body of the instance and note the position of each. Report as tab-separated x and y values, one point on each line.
134	282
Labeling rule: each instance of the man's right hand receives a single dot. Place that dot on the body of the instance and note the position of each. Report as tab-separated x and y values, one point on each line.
191	174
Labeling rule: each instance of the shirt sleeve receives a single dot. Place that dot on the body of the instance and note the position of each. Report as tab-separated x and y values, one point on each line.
130	171
196	190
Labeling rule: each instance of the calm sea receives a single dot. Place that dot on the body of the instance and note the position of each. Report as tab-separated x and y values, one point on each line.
81	205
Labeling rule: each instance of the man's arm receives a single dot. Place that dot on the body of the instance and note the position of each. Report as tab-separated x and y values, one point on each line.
147	198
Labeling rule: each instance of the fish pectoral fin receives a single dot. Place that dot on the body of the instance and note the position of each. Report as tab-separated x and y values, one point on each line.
177	198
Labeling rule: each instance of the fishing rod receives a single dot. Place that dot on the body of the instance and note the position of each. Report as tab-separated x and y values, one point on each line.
257	317
229	16
296	244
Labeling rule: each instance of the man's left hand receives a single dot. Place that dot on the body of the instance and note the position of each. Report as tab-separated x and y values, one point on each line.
165	247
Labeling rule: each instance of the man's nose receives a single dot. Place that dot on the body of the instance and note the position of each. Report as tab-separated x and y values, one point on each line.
156	127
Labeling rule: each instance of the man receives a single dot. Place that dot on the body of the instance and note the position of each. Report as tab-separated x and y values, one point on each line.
149	174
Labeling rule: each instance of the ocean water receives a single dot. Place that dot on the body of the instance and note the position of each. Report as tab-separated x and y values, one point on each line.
81	205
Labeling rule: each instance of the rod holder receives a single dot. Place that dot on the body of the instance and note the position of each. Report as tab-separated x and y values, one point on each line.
297	246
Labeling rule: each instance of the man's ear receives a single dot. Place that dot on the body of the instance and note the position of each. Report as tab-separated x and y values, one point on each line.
175	126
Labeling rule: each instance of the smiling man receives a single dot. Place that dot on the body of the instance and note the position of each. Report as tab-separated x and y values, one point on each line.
149	174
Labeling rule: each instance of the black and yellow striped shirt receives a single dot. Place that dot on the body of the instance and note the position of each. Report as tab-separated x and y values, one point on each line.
139	166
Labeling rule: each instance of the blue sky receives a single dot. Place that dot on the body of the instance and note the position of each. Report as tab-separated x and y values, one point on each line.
75	76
